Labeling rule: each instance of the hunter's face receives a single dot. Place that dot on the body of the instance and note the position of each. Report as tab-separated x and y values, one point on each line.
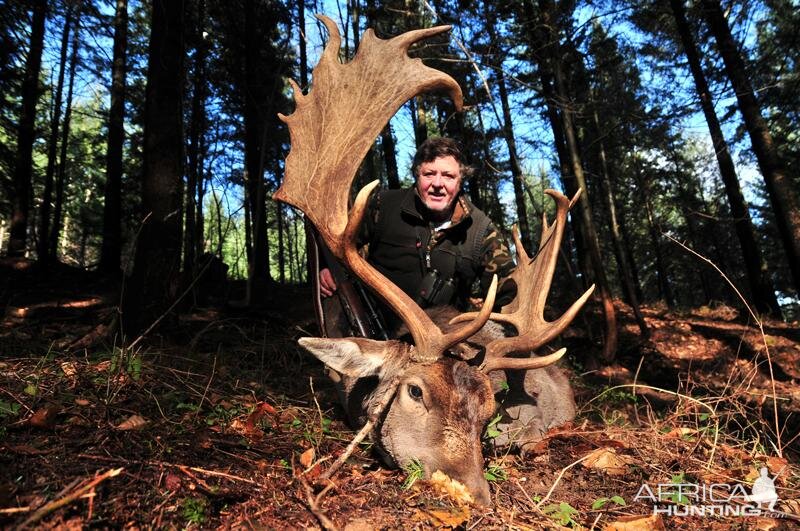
438	185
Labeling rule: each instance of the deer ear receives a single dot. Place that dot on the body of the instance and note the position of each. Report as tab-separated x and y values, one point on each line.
356	357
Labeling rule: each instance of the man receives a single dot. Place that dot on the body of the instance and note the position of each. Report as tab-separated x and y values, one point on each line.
431	240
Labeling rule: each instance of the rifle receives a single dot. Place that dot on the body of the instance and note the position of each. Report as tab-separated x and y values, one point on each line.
356	304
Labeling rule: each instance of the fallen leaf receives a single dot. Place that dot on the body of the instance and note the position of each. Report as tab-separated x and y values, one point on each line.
680	433
70	368
44	418
776	465
172	482
637	523
609	461
451	519
307	457
255	417
134	422
455	489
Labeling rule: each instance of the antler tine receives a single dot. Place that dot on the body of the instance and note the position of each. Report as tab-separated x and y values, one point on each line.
429	340
526	312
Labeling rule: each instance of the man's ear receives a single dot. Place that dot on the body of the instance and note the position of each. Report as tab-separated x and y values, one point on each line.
353	356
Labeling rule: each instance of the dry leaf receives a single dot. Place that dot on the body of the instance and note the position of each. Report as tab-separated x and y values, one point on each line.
134	422
172	482
44	418
609	461
451	519
776	465
680	433
70	368
261	410
637	523
307	457
456	490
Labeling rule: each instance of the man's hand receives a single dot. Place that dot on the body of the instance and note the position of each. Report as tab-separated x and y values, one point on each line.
326	283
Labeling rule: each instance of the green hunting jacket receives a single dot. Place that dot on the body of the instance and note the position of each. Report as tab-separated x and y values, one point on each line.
470	250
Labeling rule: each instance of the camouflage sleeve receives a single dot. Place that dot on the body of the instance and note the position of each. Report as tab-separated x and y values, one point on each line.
496	259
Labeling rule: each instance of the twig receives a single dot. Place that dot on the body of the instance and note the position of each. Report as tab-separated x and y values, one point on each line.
66	500
172	307
205	391
558	479
348	451
374	415
313	503
760	324
170	465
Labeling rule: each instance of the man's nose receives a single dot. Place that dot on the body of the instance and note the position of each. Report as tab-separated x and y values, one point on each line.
437	180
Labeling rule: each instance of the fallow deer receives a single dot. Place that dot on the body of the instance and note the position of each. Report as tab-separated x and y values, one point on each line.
426	400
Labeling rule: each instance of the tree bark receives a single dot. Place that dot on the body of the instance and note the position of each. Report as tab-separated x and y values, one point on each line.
254	137
20	202
196	130
111	250
508	134
625	277
61	178
154	282
390	157
762	290
782	194
576	169
664	288
52	148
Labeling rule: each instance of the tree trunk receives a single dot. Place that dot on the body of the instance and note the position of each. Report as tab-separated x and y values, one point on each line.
196	131
511	142
576	169
761	289
664	289
47	195
20	202
61	179
419	119
301	21
390	157
628	251
254	137
783	196
111	250
279	212
625	277
153	284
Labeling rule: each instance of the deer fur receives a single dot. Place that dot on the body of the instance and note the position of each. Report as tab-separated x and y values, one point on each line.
443	430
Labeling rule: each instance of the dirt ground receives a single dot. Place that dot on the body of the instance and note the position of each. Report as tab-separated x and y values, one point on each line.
225	422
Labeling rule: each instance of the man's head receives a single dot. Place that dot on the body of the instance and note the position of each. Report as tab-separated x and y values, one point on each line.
438	169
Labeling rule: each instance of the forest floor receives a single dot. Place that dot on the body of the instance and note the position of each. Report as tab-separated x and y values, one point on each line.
228	423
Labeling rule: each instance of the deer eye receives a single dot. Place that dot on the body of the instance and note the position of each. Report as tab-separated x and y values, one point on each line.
415	392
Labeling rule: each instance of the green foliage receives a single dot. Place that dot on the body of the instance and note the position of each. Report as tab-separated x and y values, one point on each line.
194	510
562	513
495	473
599	503
677	496
491	428
414	471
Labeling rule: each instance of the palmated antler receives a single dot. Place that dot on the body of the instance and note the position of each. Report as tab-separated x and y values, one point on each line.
332	130
526	312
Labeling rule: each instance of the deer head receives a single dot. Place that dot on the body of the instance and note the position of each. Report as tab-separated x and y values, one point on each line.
426	404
